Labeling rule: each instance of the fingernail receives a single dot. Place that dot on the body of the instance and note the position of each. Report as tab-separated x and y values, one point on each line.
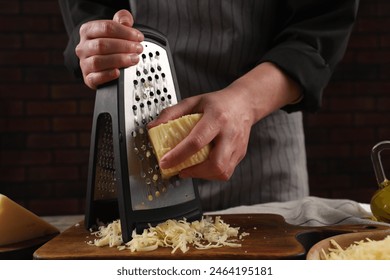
162	163
134	58
140	37
125	21
114	73
139	48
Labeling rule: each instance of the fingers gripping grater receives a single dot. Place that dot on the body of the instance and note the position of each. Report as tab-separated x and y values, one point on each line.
123	176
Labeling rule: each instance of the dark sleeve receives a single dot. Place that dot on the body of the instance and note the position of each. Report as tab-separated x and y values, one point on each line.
77	12
312	40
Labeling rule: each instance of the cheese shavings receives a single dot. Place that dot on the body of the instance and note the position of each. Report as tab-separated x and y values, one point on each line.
110	235
176	234
360	250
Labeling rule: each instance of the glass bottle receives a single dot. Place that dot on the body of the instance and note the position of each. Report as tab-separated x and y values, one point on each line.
380	202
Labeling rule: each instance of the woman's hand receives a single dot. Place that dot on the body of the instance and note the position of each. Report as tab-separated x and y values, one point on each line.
225	123
107	45
228	116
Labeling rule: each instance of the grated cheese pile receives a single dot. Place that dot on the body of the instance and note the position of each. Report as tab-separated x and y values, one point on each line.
360	250
204	234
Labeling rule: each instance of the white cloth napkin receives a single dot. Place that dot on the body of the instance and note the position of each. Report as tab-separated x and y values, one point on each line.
310	211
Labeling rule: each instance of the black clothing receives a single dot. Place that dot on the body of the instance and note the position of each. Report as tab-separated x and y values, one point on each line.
216	41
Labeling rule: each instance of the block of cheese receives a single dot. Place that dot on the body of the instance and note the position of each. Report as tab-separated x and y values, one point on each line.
19	224
166	136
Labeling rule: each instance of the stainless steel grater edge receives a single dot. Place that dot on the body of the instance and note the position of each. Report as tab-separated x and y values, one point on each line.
123	175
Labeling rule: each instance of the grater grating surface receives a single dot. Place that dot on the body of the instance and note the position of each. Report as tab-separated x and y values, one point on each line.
148	89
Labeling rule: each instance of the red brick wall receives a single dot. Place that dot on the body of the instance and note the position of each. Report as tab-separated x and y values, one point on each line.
45	114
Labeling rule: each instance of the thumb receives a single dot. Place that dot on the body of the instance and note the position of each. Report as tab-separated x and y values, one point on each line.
124	17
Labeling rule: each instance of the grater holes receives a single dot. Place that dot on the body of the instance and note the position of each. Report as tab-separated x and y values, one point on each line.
134	109
150	96
105	175
149	104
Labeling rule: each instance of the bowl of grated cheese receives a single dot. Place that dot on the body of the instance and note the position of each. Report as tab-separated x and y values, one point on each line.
373	245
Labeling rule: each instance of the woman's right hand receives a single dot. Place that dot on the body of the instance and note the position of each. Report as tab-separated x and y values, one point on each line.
106	46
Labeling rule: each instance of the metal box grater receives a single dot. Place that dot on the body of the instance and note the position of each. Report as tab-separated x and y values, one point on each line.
123	175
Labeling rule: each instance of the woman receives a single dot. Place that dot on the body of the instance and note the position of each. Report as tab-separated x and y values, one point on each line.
251	67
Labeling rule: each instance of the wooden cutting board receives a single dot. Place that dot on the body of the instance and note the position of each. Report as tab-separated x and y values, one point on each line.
270	237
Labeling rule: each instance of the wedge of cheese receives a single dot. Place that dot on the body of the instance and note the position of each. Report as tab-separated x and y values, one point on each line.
19	224
166	136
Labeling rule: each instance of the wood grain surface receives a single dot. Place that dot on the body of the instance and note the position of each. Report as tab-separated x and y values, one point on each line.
270	237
